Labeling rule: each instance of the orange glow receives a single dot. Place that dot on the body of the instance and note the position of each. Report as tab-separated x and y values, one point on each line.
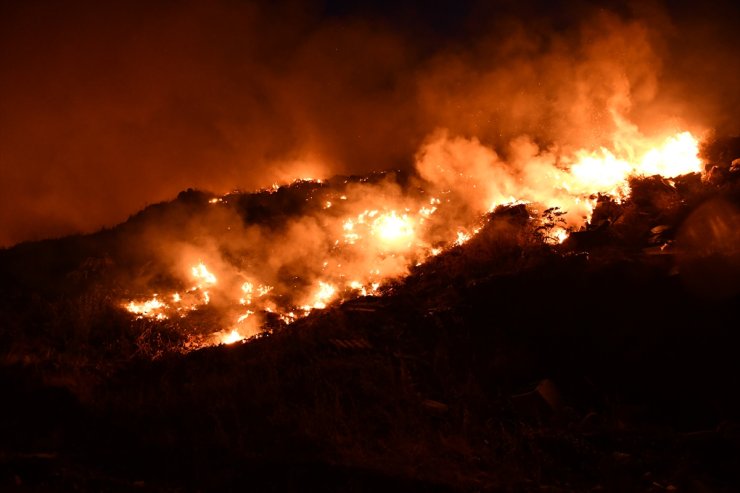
151	308
678	155
231	337
393	230
201	273
604	172
370	233
462	238
325	293
599	172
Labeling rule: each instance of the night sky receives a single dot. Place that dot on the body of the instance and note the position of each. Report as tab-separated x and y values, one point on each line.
108	106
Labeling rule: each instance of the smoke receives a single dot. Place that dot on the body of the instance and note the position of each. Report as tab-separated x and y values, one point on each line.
105	107
315	245
108	107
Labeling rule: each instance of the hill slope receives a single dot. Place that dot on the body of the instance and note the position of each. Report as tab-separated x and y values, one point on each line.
504	364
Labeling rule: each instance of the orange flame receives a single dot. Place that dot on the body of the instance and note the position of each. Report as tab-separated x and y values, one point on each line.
373	237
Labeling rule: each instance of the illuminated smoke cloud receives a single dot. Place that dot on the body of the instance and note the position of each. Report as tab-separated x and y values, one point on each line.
502	106
106	107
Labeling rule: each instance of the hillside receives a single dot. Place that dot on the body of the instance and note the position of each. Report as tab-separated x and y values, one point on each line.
508	362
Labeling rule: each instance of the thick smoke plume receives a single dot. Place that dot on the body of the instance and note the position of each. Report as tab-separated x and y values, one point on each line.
105	107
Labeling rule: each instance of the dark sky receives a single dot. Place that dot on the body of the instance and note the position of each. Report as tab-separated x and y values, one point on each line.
108	106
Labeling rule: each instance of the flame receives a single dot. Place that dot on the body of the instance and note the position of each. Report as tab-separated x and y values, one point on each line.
325	293
194	297
151	308
247	289
359	237
393	229
604	172
678	155
231	337
201	274
245	316
462	238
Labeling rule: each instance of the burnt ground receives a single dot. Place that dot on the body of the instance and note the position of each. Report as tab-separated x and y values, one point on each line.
608	363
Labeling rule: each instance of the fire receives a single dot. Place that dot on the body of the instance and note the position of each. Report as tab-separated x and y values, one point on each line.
152	308
393	229
322	296
201	274
462	238
599	172
677	156
604	172
247	289
362	235
263	290
231	337
362	289
349	232
194	297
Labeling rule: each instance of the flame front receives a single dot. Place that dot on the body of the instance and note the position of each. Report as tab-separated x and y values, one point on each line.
364	234
151	308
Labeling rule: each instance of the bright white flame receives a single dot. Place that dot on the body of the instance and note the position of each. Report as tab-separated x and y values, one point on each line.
462	238
392	228
231	337
677	156
598	172
323	295
201	273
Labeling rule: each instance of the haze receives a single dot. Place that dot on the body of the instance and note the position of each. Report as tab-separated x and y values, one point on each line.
107	107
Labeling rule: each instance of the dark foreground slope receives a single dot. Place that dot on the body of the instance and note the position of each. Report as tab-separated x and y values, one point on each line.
608	363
